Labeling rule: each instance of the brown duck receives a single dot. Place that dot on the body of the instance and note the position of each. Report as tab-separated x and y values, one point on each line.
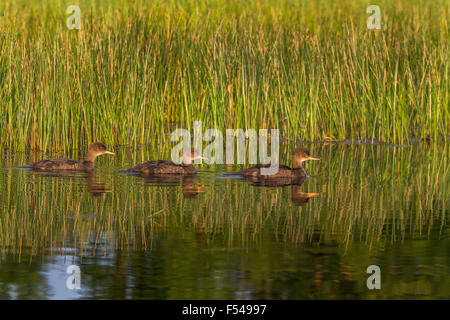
163	167
94	150
284	172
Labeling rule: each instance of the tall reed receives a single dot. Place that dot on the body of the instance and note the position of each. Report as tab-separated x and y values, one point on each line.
136	69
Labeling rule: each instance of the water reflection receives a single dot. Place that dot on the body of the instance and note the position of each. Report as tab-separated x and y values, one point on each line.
189	188
275	182
298	197
159	239
95	186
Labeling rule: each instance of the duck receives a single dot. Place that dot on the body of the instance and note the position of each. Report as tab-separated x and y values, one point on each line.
94	150
298	197
299	155
167	167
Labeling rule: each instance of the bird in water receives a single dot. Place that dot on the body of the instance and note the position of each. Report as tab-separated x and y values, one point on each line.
284	172
162	167
94	150
298	197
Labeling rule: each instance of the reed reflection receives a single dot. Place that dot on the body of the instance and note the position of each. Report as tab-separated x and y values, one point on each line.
298	197
368	194
189	188
94	185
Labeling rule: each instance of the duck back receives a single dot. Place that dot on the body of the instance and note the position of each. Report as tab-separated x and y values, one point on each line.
283	172
156	167
59	164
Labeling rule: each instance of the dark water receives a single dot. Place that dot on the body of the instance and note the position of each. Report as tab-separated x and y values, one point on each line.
218	237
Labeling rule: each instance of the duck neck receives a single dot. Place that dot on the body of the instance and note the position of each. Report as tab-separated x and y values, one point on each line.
88	165
91	156
186	161
297	164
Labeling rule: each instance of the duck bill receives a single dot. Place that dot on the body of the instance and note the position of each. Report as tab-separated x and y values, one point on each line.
313	158
199	157
310	195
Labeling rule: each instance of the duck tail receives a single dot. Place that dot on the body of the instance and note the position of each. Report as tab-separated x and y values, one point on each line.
25	167
128	171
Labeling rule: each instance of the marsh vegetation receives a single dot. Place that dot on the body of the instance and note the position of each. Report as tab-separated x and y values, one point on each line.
136	68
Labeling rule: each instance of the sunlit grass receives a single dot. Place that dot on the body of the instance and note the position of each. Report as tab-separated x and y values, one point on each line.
311	69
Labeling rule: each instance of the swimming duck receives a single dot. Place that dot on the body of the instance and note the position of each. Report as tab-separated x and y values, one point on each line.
299	155
162	167
298	197
94	150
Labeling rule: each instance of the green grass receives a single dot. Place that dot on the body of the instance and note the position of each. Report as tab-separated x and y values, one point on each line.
137	68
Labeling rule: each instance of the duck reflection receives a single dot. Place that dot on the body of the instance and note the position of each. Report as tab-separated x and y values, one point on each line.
298	197
188	187
95	187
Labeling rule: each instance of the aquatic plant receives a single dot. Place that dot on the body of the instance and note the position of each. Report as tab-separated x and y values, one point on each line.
137	69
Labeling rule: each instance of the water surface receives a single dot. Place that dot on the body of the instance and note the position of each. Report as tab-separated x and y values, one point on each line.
218	237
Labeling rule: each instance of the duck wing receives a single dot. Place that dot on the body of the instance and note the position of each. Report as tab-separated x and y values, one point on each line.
158	167
56	164
256	170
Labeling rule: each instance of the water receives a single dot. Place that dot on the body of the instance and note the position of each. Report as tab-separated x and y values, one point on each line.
218	237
